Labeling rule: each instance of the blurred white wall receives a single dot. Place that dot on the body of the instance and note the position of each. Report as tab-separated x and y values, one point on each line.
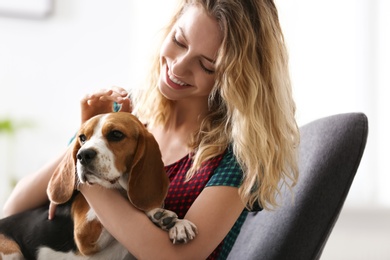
339	63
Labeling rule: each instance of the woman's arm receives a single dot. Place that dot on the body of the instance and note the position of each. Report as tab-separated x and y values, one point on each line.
214	213
30	192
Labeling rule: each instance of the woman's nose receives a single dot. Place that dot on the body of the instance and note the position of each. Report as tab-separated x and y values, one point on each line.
181	65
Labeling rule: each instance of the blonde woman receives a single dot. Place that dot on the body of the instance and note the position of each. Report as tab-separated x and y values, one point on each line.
219	103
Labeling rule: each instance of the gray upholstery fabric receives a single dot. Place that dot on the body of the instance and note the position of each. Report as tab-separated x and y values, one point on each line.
330	152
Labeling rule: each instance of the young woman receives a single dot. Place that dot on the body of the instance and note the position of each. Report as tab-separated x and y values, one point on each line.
219	103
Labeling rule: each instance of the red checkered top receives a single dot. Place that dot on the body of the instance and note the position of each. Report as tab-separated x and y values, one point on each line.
222	170
182	194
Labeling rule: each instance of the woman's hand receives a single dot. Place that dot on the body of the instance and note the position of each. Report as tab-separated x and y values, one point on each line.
102	102
52	210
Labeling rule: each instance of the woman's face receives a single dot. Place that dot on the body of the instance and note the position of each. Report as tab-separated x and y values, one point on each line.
188	56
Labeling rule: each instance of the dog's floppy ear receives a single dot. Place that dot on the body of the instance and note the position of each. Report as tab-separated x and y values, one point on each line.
148	182
62	183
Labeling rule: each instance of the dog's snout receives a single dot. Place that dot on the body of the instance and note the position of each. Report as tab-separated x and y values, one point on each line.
86	156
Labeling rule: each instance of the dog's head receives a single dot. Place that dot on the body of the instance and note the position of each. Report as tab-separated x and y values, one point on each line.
113	150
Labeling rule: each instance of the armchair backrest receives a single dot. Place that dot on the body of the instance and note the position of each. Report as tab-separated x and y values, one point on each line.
330	152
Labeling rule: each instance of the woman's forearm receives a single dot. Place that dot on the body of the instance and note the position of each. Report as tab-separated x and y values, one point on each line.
30	192
131	227
214	213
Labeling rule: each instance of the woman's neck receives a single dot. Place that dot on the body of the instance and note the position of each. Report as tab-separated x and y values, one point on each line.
186	115
173	137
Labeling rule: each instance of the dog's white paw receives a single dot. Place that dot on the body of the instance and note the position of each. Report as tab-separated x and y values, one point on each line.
165	219
182	232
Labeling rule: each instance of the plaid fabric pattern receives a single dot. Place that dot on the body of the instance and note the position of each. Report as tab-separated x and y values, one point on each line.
182	194
222	170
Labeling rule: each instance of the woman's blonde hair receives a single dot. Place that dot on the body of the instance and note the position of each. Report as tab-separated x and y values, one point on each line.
251	105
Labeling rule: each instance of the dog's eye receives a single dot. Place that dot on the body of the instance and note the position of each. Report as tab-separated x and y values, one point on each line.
82	138
115	136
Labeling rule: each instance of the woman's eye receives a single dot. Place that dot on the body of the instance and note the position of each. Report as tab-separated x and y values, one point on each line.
208	71
181	45
174	39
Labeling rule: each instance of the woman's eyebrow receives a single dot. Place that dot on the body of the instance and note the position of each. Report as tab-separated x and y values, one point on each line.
203	56
209	59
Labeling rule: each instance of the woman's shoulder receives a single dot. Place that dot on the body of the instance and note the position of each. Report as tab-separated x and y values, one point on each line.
228	172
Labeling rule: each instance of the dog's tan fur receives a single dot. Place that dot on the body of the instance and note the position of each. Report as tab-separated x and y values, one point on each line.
86	233
8	247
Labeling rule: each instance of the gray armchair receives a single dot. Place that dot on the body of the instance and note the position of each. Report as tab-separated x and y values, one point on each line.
330	152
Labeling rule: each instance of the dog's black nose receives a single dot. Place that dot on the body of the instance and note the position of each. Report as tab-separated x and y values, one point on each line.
86	156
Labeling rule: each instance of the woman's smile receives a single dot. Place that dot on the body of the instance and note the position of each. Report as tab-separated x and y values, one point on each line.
173	82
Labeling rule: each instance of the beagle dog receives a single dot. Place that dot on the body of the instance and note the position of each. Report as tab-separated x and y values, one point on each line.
116	151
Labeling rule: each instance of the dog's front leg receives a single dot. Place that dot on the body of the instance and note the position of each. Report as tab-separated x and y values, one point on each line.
88	230
180	231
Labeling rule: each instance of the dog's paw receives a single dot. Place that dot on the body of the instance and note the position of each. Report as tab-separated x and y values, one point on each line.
182	232
165	219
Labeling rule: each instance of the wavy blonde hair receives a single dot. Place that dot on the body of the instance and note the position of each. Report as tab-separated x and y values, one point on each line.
251	105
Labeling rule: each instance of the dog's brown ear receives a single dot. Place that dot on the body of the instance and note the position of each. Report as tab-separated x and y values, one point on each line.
148	182
62	183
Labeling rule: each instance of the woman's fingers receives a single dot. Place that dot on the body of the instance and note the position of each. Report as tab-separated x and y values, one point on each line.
121	91
126	105
115	94
102	102
52	210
